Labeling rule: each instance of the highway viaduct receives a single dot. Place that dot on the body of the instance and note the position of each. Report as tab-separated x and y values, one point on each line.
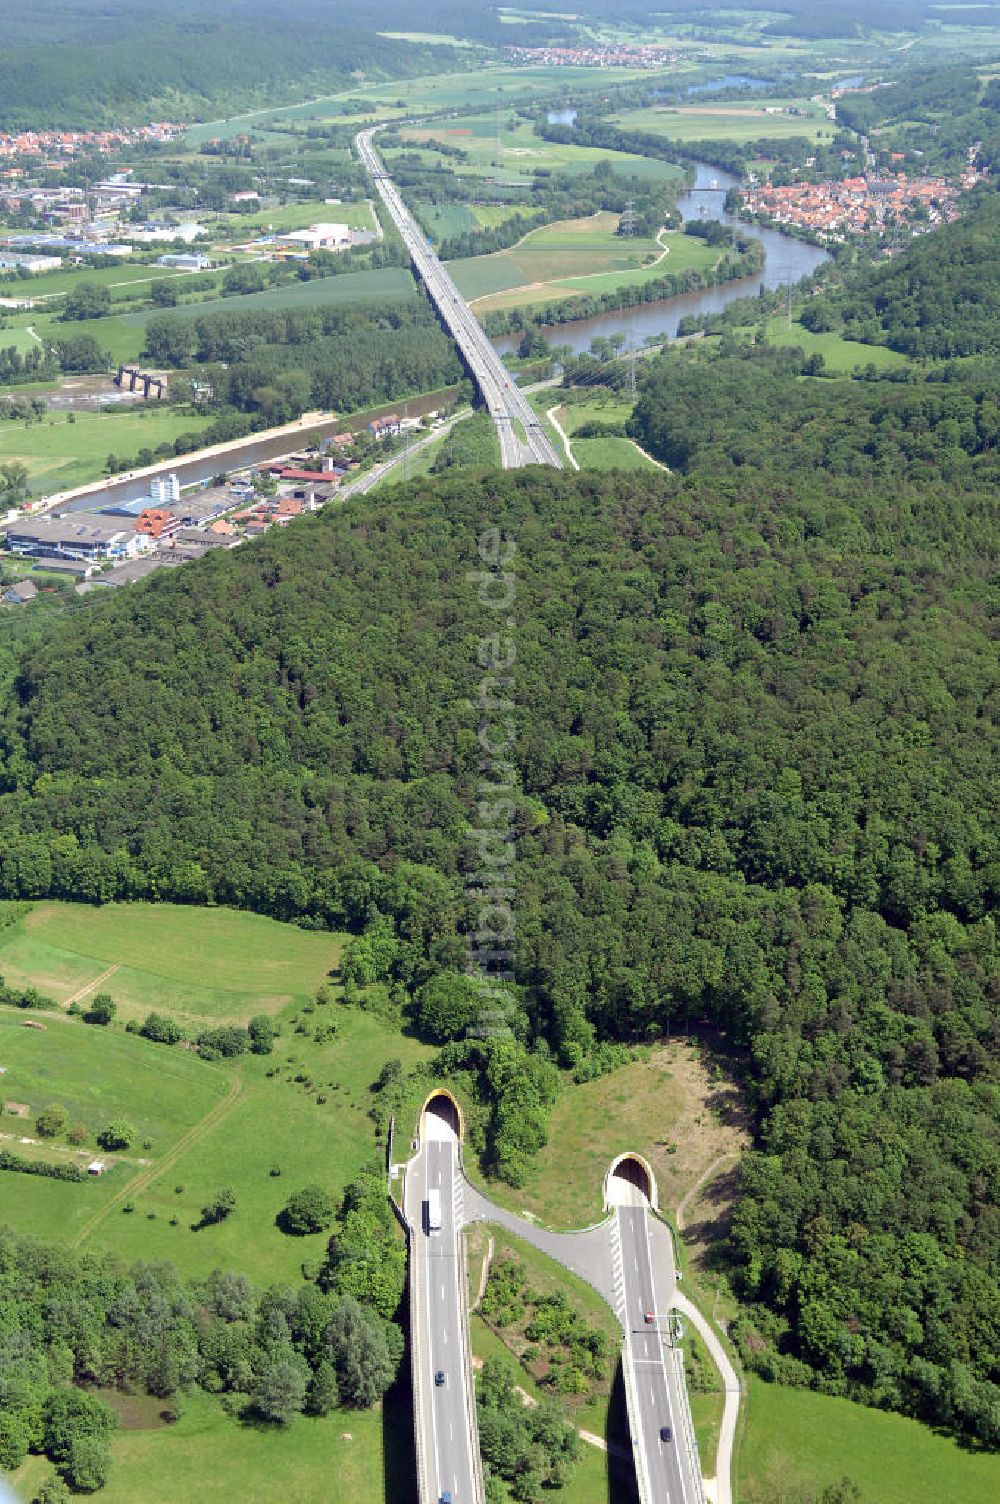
523	439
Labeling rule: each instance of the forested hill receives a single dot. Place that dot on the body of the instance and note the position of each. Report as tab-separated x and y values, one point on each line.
67	63
940	299
756	726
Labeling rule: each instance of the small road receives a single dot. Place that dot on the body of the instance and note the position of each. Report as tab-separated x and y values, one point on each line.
719	1489
563	435
523	439
449	1441
398	461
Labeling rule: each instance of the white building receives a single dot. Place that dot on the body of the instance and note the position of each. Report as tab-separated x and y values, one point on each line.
11	260
164	489
153	231
321	237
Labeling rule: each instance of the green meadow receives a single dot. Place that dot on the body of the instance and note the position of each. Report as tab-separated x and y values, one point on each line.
205	965
839	354
347	1457
743	122
797	1440
265	1125
65	450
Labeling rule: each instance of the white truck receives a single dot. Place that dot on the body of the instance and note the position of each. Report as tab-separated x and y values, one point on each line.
433	1209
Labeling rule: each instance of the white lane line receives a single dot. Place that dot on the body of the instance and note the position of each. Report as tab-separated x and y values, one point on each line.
662	1351
430	1328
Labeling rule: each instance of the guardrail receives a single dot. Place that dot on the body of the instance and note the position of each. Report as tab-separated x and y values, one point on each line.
470	1378
416	1355
687	1423
632	1403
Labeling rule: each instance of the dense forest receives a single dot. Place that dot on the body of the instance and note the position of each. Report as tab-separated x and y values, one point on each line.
185	59
755	726
940	299
276	365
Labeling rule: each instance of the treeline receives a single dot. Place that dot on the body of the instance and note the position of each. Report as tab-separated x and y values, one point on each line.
73	1323
274	366
603	188
940	299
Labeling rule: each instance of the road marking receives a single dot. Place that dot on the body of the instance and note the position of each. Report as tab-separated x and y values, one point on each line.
663	1365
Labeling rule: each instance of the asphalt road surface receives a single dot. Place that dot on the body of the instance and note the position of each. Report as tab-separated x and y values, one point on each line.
448	1448
523	439
666	1464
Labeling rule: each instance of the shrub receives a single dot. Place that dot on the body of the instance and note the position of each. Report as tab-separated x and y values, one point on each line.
226	1041
308	1210
101	1011
51	1121
119	1134
161	1028
222	1205
262	1032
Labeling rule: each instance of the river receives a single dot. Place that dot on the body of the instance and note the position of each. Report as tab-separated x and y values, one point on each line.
785	260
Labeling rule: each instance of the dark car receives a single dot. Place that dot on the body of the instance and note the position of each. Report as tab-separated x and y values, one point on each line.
665	1433
439	1377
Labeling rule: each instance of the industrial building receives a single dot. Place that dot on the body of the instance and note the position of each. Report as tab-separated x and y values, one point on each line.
74	535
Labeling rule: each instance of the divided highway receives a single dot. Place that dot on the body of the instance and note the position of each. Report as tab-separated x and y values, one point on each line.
523	439
666	1475
444	1396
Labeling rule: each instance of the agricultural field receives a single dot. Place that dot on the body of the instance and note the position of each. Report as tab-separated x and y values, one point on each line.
571	258
468	90
522	150
388	282
798	1440
59	453
726	121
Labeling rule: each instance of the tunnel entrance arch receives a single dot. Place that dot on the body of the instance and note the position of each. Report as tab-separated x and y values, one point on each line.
441	1116
630	1181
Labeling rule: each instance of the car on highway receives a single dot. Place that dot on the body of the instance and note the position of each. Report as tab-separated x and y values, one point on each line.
665	1433
439	1377
446	1497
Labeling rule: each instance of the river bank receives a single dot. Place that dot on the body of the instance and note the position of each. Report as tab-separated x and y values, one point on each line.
786	261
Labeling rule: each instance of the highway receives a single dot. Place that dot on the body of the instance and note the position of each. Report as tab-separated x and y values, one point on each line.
645	1279
523	439
449	1441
